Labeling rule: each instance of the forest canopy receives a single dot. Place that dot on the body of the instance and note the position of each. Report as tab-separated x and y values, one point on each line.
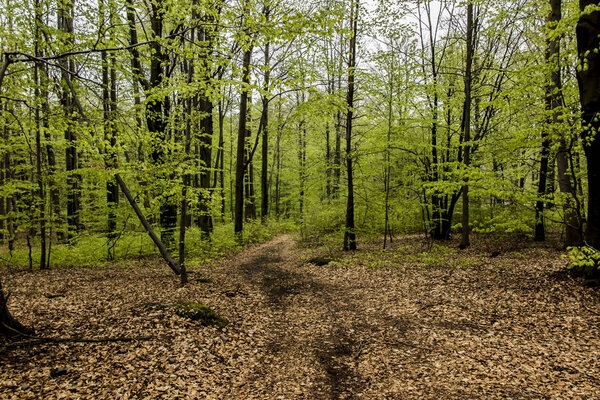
351	118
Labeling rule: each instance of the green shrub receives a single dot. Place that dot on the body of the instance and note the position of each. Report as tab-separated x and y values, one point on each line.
585	262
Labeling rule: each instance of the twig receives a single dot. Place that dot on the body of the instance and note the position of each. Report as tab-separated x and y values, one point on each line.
75	340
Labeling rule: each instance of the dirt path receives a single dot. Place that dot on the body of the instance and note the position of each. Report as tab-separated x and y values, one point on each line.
426	322
310	326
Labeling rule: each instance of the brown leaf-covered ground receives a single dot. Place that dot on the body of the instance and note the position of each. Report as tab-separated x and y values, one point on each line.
416	321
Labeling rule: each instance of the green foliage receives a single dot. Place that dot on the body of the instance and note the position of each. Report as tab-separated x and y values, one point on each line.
436	256
324	221
585	261
90	250
411	92
503	219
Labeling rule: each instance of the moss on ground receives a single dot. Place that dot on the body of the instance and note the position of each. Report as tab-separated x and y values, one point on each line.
201	313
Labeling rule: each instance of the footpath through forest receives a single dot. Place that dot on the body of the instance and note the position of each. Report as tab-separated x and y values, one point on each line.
413	322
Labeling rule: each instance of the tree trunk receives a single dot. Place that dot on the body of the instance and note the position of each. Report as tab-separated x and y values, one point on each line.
205	147
554	102
301	160
337	156
159	244
588	78
157	116
109	97
277	165
41	192
8	325
241	146
350	233
250	200
186	183
219	177
264	189
465	241
9	172
65	26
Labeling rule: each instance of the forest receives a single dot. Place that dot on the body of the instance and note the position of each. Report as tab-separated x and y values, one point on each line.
299	199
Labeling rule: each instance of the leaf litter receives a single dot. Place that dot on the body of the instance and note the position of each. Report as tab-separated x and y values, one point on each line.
418	320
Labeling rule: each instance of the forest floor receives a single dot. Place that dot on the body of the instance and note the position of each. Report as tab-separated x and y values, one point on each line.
420	320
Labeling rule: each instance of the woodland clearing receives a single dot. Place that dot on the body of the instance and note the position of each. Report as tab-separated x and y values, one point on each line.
418	320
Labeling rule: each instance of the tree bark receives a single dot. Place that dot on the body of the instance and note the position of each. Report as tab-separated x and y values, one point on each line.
205	148
588	78
41	192
159	244
65	26
554	103
109	97
264	189
465	240
350	233
241	145
9	326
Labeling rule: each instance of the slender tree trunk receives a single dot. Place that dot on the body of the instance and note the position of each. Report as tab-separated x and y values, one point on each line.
231	180
182	227
264	189
588	78
277	164
164	251
241	145
111	187
553	101
157	116
41	192
9	176
186	183
301	162
388	163
205	148
109	96
250	200
138	79
571	217
219	178
540	234
337	157
350	233
3	214
65	26
327	160
465	241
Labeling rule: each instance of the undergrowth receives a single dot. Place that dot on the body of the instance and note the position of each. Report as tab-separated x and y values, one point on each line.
91	250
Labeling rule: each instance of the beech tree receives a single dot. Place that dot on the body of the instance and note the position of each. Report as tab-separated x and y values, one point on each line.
588	77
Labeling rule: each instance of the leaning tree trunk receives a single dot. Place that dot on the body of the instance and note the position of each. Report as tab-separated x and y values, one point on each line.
588	78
